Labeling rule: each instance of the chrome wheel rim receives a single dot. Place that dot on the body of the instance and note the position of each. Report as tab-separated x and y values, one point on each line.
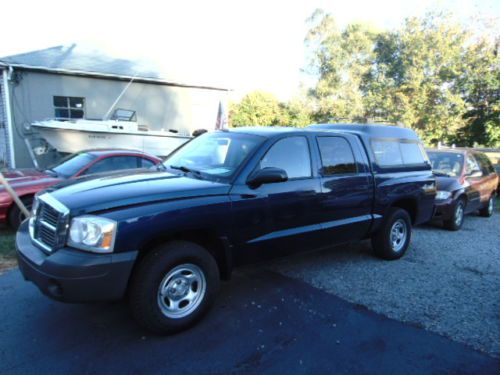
181	291
459	214
490	206
399	233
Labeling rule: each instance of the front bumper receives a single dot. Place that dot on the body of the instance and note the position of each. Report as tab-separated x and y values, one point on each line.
443	209
70	275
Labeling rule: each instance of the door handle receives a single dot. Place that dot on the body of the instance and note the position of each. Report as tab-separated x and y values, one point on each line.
248	196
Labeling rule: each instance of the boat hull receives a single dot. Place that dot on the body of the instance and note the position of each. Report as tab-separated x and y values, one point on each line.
74	140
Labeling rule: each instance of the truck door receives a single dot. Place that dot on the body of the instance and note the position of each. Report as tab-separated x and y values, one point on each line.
346	188
279	218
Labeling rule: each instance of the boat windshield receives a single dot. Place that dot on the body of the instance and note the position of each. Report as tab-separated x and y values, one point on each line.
446	163
216	156
72	164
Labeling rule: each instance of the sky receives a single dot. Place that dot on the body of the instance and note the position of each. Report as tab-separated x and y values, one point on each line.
243	45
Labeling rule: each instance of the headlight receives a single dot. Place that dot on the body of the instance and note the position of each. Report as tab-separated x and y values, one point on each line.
92	233
442	194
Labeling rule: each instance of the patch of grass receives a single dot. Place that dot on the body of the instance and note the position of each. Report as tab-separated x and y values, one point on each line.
7	249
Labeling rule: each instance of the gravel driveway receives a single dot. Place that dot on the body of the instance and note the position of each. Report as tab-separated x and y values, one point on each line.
448	282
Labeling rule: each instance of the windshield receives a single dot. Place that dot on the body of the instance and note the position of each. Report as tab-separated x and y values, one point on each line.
215	155
71	164
446	163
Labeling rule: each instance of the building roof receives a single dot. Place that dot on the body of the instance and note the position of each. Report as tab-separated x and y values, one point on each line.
82	60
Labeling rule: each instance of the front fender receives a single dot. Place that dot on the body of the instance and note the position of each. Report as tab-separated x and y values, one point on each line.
138	225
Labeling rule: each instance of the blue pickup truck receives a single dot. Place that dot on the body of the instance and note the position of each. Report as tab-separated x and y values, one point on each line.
164	238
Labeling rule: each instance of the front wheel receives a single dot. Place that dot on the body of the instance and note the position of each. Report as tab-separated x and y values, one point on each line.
457	219
487	210
173	287
393	238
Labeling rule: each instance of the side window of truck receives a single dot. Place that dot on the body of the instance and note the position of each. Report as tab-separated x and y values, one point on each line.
336	156
290	154
396	153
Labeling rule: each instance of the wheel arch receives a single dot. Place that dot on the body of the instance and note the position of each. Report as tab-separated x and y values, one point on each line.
217	246
409	205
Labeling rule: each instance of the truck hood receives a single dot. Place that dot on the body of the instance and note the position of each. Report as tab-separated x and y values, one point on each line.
109	192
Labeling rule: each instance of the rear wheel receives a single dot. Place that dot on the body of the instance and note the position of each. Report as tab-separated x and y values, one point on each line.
457	219
16	216
487	210
392	240
173	287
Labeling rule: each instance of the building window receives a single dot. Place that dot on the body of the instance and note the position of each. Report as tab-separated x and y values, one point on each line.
66	107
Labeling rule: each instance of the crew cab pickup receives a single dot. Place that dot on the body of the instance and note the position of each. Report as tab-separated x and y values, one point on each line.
164	238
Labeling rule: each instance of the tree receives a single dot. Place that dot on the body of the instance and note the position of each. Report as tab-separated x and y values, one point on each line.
261	108
430	74
255	108
340	59
481	89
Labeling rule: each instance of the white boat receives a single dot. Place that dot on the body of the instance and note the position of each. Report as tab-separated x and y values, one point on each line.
75	135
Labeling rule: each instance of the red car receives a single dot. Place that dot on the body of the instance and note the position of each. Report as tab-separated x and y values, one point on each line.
27	182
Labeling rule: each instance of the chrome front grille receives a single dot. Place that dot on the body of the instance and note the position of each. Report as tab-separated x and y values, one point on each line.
49	215
47	236
48	226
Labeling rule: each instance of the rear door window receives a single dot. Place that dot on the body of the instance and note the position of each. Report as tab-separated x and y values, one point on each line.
336	156
290	154
484	164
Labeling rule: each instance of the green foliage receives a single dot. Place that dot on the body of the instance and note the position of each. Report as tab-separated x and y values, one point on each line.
256	108
264	109
431	75
7	248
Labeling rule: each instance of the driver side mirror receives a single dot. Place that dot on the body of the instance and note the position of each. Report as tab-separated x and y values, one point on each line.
267	176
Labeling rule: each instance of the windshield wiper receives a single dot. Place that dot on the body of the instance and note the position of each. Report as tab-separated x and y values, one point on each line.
186	170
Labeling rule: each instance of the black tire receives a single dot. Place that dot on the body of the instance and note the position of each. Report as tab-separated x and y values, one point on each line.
16	216
489	208
382	243
457	219
148	308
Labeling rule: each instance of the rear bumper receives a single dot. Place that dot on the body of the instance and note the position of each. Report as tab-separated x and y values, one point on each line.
70	275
